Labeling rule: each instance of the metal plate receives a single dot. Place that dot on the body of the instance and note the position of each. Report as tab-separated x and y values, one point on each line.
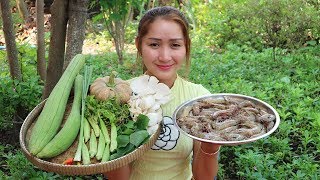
256	101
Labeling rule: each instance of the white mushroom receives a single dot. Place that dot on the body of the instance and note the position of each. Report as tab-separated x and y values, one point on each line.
154	118
148	101
152	129
147	98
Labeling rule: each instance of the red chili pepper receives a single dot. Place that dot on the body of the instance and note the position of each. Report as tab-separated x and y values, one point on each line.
68	161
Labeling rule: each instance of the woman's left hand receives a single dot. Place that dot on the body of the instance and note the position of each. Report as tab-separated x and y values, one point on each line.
205	164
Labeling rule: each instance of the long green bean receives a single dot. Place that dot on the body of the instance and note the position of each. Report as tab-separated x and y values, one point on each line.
85	87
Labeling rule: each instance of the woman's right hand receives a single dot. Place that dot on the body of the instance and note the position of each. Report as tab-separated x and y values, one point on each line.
122	173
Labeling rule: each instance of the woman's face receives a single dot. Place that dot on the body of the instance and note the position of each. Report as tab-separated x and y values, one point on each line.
163	50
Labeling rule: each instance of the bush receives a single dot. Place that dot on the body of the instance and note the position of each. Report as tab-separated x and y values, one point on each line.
14	94
285	24
24	94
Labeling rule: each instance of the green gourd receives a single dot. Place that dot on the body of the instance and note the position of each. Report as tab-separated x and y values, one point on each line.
68	133
50	118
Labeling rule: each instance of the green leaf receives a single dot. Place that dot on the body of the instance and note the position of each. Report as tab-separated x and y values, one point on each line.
122	151
97	17
138	137
109	115
123	140
127	131
285	79
130	124
312	43
128	128
142	122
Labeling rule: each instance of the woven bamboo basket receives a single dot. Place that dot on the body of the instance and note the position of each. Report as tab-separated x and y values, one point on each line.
55	164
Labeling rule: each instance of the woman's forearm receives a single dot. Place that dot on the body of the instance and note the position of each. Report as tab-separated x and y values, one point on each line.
205	161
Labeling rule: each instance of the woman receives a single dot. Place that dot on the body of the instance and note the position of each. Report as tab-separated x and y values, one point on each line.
163	44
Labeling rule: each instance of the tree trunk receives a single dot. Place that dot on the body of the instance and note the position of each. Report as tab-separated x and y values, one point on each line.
151	4
22	8
57	45
117	26
119	41
41	49
165	2
77	12
9	36
12	55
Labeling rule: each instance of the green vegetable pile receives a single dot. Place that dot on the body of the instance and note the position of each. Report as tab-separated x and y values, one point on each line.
125	134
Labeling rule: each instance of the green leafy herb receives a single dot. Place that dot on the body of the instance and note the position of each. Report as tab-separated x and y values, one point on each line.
138	137
123	140
142	121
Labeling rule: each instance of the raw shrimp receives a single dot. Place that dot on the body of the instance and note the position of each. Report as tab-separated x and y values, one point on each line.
187	122
254	110
223	125
245	116
186	111
246	103
211	103
215	101
225	113
213	136
203	104
270	126
263	131
208	112
266	118
196	109
231	100
248	132
233	137
228	129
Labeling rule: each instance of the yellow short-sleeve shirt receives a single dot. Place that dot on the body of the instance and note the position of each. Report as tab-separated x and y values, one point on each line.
170	157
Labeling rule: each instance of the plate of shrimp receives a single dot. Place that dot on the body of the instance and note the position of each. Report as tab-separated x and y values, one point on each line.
226	119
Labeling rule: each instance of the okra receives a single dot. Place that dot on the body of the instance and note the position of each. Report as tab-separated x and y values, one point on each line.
101	146
86	130
85	154
106	153
92	145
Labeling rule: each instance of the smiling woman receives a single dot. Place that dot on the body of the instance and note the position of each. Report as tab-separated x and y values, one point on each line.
163	45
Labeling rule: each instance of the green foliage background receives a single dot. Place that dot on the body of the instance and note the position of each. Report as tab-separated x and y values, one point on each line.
266	49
